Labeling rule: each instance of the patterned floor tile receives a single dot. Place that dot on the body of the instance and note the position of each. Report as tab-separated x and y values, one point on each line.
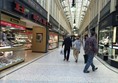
52	69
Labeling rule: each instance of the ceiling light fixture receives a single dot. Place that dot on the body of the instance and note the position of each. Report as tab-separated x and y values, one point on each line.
73	3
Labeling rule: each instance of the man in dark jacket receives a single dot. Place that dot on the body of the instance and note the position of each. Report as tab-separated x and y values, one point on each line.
67	45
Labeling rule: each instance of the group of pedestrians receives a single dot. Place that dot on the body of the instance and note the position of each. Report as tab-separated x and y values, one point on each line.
76	45
90	49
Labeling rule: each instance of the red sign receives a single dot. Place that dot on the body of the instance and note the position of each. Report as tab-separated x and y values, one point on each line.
28	32
35	17
19	8
12	25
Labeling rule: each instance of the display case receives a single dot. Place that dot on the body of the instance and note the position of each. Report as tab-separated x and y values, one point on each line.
53	40
12	40
11	47
11	56
13	32
11	36
28	37
108	43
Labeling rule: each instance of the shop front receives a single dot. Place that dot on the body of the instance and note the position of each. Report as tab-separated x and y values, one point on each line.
53	40
12	39
53	34
15	31
108	39
61	35
22	27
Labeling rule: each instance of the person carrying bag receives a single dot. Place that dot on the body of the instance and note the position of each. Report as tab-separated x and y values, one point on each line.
85	55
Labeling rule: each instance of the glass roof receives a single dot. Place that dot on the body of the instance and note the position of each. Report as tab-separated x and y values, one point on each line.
75	10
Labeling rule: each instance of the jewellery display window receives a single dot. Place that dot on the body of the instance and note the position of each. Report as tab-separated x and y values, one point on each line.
108	42
12	42
53	40
11	56
14	37
11	36
28	34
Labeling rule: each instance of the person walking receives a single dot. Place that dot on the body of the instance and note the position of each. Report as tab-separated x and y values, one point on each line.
67	43
76	48
91	49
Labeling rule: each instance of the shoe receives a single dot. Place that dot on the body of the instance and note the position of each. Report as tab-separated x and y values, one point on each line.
86	71
95	69
76	61
68	61
85	62
64	59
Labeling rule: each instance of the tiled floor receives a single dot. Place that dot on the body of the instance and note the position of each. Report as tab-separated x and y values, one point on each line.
52	69
29	56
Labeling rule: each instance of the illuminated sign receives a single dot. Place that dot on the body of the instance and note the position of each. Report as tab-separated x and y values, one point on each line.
19	8
12	25
35	17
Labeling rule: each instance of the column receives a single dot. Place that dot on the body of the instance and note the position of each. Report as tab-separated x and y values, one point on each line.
48	9
112	5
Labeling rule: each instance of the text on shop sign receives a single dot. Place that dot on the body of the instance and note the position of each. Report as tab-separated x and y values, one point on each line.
35	17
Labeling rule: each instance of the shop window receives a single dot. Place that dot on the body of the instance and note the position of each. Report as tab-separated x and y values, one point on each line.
108	42
53	40
12	39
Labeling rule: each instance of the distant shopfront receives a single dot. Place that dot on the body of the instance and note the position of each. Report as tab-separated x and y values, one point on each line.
53	34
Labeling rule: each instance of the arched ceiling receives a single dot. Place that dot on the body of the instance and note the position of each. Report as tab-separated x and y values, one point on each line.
74	11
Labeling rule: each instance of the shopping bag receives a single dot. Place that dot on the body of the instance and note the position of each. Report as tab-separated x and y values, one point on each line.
62	51
85	58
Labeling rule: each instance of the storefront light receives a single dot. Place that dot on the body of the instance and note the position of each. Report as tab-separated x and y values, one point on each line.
12	28
74	24
76	34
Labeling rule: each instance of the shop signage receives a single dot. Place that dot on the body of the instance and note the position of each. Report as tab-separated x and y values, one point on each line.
14	20
36	6
10	19
19	8
12	25
106	22
54	22
28	32
35	17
